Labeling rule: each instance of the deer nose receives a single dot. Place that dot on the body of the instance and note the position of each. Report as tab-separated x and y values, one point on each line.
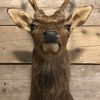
50	36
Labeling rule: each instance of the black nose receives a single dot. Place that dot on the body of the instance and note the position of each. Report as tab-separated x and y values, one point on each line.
50	36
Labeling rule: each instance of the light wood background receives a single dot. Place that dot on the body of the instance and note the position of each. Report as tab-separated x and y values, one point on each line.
16	48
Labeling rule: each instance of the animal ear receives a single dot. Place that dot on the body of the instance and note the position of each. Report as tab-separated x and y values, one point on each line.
21	18
79	16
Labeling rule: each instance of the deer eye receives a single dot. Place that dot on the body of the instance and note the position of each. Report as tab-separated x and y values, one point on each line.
68	27
33	26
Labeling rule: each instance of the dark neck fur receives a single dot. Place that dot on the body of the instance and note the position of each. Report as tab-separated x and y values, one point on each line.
50	78
48	73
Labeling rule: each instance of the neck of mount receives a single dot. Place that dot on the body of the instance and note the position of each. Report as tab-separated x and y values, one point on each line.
49	73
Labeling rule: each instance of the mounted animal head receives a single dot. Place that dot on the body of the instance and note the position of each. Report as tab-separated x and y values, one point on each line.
50	33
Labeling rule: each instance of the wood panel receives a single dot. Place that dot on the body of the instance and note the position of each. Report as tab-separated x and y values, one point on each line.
6	20
84	84
16	45
48	3
15	82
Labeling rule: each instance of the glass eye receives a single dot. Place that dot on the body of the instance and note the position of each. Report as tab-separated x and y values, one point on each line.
33	26
68	27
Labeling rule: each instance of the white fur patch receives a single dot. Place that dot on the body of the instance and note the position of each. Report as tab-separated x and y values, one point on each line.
53	47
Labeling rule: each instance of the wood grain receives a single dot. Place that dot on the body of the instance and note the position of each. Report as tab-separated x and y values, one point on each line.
6	20
48	3
16	45
84	82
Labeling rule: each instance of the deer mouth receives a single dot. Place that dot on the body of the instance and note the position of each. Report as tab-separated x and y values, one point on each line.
51	47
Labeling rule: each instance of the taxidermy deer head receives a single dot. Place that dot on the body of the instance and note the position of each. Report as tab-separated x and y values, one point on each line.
50	76
50	33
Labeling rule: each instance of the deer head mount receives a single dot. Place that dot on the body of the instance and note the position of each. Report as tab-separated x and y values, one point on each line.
50	33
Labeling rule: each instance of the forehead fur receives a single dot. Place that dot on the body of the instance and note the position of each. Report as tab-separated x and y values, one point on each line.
49	19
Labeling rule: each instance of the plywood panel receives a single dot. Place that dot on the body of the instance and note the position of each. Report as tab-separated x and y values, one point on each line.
6	20
15	72
15	82
16	45
48	3
84	84
14	89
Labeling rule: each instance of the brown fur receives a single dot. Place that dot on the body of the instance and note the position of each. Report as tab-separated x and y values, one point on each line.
50	78
50	70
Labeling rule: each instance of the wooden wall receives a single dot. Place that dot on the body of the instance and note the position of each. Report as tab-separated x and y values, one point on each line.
16	48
